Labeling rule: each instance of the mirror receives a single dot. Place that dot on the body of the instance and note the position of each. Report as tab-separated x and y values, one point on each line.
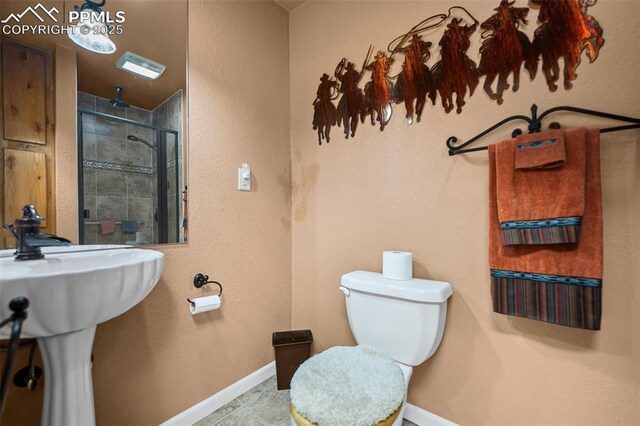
131	114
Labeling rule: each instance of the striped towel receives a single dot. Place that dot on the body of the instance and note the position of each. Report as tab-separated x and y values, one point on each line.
557	283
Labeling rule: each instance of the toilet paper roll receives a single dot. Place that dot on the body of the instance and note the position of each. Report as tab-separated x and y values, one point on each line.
397	265
204	304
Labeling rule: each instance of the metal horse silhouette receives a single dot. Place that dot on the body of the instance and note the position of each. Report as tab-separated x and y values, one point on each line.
565	32
350	104
454	72
378	93
415	81
505	49
324	112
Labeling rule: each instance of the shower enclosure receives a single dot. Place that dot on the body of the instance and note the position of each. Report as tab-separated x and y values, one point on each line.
129	177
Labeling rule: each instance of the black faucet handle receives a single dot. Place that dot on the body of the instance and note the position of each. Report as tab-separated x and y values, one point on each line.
29	212
30	221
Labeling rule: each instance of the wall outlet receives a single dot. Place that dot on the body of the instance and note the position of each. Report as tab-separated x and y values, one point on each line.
244	178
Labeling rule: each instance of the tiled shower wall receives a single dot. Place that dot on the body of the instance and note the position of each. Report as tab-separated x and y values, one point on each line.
119	174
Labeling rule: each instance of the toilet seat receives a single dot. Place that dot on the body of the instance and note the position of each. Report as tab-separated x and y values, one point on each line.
345	385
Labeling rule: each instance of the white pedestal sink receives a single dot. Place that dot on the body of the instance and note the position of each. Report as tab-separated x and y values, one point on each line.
70	293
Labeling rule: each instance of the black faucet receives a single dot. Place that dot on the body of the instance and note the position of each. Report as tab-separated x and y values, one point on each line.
29	239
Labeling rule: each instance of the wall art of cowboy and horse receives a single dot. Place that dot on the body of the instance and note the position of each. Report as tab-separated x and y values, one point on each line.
565	30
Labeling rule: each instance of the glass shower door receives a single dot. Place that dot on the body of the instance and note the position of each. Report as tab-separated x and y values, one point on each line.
118	177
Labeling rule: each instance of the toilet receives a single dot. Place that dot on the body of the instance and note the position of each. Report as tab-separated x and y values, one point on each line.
404	319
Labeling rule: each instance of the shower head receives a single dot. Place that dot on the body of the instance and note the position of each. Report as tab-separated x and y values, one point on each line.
118	102
142	141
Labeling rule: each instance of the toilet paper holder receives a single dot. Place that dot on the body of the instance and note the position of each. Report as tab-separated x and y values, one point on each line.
201	279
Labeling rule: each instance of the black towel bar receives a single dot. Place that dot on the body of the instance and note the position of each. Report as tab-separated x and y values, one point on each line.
535	124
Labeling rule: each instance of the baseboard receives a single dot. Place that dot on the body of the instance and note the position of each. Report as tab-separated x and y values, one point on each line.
202	409
226	395
424	418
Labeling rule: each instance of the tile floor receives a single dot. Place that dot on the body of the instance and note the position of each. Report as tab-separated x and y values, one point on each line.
263	405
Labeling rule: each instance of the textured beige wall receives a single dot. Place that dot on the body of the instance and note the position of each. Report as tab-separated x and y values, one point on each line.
66	146
399	190
157	359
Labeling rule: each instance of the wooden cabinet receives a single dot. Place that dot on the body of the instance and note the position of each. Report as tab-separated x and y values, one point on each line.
24	78
25	181
27	121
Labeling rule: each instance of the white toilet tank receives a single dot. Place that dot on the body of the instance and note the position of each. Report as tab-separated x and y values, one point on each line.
404	318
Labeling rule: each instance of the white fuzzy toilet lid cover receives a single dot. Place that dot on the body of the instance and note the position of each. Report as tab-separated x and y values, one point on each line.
346	385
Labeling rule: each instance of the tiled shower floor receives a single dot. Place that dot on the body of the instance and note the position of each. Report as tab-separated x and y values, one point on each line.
263	405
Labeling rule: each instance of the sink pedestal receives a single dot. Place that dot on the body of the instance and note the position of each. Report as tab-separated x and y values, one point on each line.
68	388
69	293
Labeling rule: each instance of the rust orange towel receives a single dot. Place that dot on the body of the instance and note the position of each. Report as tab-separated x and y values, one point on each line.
107	227
540	205
559	283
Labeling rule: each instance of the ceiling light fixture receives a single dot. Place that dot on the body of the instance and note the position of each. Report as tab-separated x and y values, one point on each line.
92	30
140	65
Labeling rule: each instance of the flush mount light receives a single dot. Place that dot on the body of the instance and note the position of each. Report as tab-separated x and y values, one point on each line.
92	30
140	65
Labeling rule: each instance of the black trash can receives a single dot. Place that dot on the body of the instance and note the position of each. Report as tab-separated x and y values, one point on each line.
292	349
